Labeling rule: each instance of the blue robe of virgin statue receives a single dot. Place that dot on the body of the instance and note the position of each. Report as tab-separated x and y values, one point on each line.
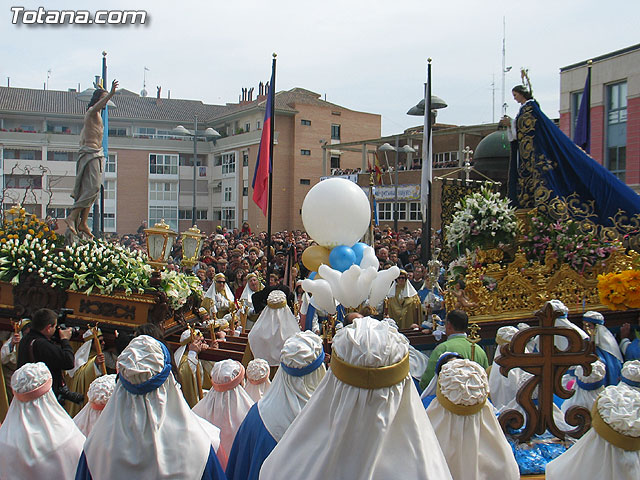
212	470
550	172
251	446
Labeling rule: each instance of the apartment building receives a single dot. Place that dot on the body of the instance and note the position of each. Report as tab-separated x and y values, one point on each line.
149	173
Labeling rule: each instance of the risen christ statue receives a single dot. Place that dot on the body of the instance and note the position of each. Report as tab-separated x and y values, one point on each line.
89	166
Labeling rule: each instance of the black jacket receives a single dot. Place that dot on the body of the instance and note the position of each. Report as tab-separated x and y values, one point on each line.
35	347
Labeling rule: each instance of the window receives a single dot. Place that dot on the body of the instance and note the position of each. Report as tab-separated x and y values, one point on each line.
335	162
245	158
144	132
415	214
110	164
109	189
576	98
10	154
245	188
402	210
445	159
247	127
58	212
228	194
229	217
385	211
335	132
305	152
23	181
163	164
616	129
258	125
186	160
163	191
187	214
168	214
117	132
306	123
60	156
305	181
229	163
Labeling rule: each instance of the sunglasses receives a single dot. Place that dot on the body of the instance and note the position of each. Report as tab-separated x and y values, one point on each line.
220	281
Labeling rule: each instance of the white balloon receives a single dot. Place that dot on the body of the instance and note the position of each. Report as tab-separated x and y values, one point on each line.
336	212
369	258
321	291
382	284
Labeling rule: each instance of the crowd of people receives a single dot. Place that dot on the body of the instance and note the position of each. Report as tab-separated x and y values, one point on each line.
265	418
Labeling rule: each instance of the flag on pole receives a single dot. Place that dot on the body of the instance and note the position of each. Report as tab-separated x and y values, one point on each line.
264	163
425	179
582	135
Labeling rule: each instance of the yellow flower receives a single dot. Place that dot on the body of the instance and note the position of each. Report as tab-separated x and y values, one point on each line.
31	231
3	240
39	235
53	236
46	229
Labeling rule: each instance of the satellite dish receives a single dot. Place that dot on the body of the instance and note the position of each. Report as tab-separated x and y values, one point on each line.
144	92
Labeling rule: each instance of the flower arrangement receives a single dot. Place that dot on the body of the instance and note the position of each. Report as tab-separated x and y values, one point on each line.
483	219
93	267
619	291
565	240
23	224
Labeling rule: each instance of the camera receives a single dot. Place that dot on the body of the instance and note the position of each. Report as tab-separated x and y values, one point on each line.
65	394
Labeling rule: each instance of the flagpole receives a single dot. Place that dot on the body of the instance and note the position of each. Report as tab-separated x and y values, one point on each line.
426	226
589	65
269	204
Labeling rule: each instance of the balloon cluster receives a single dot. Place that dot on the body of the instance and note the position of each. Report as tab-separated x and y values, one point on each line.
336	214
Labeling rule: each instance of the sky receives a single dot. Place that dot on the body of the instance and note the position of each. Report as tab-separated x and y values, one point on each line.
364	55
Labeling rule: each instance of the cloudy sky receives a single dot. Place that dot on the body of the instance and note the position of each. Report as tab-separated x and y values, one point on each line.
365	55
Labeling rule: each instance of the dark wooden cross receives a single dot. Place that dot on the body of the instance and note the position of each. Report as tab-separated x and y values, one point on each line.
547	366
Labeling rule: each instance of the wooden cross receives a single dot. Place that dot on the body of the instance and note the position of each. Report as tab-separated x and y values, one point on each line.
547	366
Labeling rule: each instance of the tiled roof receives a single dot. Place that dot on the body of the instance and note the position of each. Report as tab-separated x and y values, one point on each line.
131	106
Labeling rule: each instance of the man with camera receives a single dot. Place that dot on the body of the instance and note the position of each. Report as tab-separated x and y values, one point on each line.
42	344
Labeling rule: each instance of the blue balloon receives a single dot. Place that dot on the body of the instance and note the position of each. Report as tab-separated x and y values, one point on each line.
312	275
341	258
358	249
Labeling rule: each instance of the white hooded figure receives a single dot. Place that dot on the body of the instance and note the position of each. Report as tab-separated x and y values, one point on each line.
257	378
630	375
418	361
98	394
587	388
147	426
558	416
611	448
469	433
227	403
503	389
561	342
365	419
607	347
301	371
275	324
38	439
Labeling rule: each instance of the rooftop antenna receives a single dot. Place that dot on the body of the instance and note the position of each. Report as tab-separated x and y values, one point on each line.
48	75
144	92
505	69
493	98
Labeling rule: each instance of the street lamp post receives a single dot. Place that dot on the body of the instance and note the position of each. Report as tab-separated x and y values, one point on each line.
208	133
435	103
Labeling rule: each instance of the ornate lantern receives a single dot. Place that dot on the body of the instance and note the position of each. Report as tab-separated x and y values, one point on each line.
191	245
160	240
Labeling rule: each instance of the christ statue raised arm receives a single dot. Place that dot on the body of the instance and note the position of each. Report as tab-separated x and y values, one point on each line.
89	166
